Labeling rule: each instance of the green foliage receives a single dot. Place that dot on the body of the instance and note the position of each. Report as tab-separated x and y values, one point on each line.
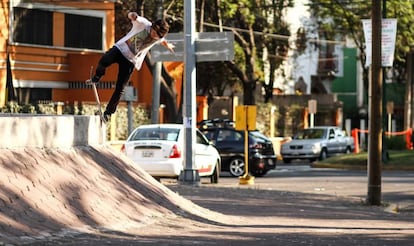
395	142
289	120
46	108
11	107
14	108
338	19
140	114
264	114
252	22
399	159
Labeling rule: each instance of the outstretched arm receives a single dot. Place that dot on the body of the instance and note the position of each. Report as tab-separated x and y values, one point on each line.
133	16
168	45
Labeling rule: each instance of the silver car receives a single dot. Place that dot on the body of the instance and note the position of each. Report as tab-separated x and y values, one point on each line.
317	143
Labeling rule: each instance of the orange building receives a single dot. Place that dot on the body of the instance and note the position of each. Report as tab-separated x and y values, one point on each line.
47	49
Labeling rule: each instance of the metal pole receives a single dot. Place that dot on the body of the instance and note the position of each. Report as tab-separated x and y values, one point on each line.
375	111
189	175
156	79
156	85
130	117
408	93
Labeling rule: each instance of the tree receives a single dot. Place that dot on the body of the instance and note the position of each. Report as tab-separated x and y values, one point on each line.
250	22
340	19
253	24
277	47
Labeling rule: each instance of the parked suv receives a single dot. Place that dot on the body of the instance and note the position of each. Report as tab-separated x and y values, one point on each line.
230	144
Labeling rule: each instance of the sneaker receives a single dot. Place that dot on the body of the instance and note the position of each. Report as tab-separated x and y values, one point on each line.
106	117
95	79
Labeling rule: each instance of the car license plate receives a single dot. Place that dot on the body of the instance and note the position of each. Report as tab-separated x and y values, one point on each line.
147	154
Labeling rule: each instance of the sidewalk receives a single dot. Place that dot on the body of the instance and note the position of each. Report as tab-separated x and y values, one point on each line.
263	217
94	196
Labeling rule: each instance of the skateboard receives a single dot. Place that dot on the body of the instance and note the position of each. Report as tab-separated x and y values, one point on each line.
95	91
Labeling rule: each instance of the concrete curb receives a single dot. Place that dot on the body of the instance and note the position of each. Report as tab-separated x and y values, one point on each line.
360	167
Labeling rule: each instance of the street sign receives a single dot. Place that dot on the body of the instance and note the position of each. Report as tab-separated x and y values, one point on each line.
312	105
209	46
246	117
388	36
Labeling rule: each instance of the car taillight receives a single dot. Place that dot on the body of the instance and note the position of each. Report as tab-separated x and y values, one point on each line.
256	146
175	152
123	148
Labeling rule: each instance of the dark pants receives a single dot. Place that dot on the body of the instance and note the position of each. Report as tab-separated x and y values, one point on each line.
125	69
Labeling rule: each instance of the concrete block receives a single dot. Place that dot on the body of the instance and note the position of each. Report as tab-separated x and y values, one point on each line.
50	131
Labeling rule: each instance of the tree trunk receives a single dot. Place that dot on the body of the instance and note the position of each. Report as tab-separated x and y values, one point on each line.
249	94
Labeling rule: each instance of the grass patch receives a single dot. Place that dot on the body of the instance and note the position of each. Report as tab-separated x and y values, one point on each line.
398	159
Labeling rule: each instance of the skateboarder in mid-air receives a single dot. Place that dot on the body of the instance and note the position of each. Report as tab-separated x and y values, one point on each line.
129	52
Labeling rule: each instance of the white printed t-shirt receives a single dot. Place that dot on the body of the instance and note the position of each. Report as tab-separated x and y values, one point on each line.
132	45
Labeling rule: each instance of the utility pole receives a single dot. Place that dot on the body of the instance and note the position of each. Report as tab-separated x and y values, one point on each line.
375	110
384	96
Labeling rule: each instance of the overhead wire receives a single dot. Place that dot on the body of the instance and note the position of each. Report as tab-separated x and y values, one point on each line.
271	35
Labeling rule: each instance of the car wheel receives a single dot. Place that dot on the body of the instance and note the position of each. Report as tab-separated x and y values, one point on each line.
348	150
287	160
214	178
236	166
323	155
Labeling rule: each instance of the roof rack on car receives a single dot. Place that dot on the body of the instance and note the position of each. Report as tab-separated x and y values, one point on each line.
216	123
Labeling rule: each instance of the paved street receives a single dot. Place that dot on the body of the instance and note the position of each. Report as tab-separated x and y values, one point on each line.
397	186
293	205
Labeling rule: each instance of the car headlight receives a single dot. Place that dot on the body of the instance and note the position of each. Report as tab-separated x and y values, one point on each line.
316	147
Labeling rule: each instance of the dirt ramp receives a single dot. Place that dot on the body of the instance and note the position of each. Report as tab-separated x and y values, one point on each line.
46	191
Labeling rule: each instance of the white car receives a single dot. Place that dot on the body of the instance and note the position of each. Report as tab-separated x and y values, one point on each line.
158	149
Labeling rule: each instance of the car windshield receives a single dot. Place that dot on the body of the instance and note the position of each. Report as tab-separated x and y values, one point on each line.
310	134
169	134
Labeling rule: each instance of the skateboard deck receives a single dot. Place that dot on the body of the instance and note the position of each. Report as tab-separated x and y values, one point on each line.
95	92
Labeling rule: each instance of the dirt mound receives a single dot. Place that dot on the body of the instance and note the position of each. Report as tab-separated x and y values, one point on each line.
47	191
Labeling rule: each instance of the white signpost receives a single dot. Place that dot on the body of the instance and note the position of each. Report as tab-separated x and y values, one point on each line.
312	106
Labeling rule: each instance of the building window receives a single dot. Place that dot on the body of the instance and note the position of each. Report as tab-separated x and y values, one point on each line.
83	31
33	26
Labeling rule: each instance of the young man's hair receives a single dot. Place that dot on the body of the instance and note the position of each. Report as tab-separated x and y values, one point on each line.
161	27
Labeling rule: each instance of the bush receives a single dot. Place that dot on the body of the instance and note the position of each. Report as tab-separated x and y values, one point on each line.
140	117
263	112
46	108
140	114
11	107
395	142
